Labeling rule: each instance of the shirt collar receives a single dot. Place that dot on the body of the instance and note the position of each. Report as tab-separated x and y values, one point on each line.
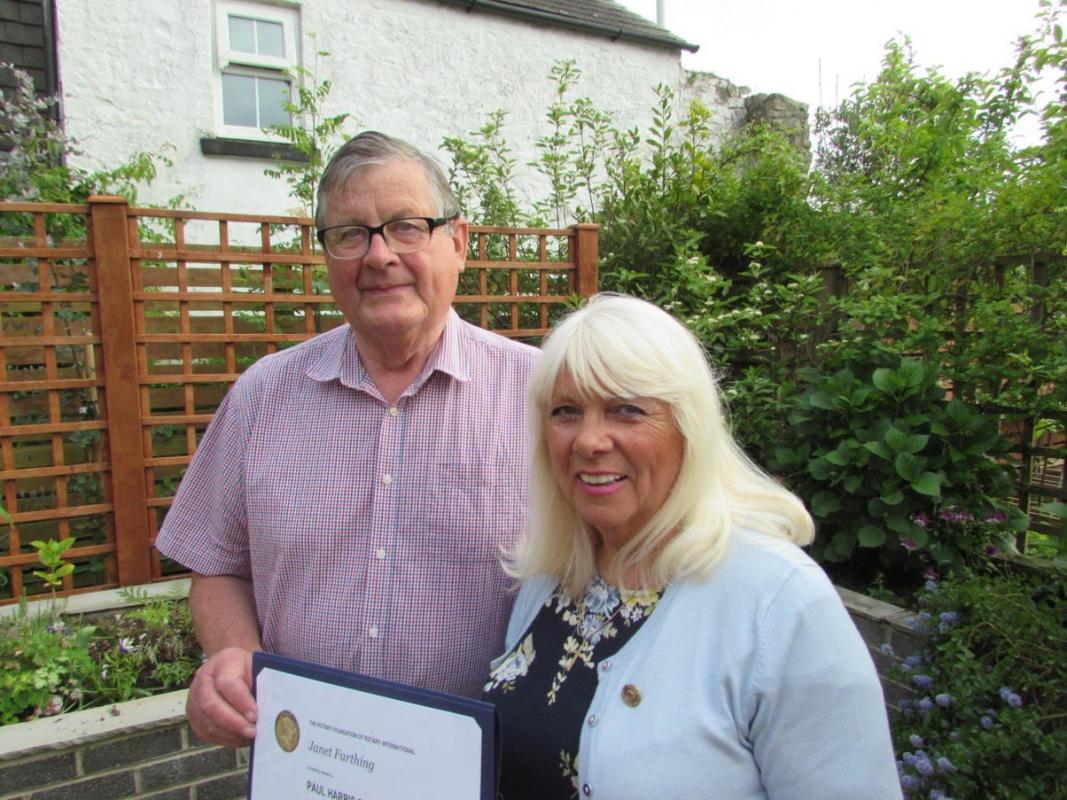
340	360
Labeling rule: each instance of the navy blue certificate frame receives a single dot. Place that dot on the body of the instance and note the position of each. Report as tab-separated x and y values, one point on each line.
484	714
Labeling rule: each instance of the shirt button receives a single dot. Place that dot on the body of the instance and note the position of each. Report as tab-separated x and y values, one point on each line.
393	411
592	720
587	789
373	632
380	553
631	695
387	479
605	666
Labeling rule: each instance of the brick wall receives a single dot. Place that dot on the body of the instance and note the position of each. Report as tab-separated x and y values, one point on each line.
145	750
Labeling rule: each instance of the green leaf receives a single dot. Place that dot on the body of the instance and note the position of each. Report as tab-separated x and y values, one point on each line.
894	498
915	443
880	449
820	469
871	536
825	503
928	484
908	466
887	380
852	483
912	372
896	439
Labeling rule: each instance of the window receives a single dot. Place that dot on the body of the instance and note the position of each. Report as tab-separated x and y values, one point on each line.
257	51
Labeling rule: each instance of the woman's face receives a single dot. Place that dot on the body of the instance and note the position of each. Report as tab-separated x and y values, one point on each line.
615	459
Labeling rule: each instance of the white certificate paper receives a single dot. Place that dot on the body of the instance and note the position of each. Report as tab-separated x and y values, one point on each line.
327	734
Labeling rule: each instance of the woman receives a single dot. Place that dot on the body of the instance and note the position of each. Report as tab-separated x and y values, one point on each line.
670	639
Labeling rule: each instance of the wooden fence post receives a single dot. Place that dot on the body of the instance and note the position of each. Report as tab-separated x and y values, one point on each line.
111	250
587	257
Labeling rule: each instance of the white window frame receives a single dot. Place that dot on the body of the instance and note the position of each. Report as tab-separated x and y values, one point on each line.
252	64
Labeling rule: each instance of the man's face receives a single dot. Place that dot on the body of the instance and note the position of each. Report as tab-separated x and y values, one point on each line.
383	295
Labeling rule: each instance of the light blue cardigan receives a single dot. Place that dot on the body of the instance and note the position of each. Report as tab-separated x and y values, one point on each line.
752	684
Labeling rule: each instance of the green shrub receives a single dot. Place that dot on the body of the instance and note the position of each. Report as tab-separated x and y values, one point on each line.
887	465
989	719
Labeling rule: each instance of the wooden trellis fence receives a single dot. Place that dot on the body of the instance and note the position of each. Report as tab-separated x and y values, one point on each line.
122	328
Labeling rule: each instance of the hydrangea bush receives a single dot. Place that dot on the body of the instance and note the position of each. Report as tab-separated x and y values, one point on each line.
988	718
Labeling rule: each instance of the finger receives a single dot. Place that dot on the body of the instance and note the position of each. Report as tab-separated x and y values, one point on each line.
211	716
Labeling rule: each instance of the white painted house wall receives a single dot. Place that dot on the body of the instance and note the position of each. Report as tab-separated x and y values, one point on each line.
140	75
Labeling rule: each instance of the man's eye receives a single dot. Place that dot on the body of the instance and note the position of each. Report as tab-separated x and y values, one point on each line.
349	235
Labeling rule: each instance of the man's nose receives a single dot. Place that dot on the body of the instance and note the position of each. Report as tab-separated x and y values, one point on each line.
379	253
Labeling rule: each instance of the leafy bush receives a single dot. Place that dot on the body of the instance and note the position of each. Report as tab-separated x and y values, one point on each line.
49	665
990	716
882	457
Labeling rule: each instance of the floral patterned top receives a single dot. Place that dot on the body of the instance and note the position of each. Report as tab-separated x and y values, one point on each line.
543	687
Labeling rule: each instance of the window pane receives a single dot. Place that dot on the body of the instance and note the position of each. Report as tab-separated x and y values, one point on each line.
272	98
239	100
242	34
271	42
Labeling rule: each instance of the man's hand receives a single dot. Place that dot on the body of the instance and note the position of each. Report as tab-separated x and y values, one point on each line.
220	706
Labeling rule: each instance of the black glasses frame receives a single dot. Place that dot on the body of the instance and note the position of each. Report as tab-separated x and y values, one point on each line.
432	223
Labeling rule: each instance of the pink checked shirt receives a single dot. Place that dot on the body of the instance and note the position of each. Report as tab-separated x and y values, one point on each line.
371	532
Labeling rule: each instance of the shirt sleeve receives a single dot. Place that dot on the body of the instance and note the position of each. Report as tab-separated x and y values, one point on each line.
206	528
819	726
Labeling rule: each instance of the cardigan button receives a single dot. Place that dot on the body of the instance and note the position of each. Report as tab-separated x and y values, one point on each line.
587	789
631	695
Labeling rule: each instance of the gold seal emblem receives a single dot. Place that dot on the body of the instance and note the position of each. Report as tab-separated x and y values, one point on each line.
287	731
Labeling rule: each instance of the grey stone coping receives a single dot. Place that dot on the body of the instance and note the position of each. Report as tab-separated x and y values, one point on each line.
79	727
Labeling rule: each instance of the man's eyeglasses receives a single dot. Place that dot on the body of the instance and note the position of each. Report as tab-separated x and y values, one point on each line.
401	235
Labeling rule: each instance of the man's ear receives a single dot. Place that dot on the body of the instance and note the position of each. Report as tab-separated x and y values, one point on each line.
460	233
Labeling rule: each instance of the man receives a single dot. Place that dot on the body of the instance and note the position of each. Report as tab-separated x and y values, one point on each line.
350	499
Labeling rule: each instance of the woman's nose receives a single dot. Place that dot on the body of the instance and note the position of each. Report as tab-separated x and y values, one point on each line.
592	437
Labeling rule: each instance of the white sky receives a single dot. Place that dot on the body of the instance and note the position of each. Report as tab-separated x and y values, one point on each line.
816	50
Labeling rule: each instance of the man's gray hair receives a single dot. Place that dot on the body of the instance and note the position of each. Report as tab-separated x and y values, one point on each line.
371	149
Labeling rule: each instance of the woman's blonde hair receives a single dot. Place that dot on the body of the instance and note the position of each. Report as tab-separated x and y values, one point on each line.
617	346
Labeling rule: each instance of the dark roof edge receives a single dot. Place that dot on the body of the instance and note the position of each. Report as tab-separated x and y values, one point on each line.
614	33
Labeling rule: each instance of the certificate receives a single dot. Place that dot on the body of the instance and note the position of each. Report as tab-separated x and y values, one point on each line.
323	733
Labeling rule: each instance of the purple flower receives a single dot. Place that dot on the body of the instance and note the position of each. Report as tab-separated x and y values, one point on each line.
996	516
949	617
992	550
887	650
55	705
922	681
909	544
930	586
930	574
1014	700
909	782
944	699
945	765
921	520
926	705
924	767
916	740
937	794
910	759
986	722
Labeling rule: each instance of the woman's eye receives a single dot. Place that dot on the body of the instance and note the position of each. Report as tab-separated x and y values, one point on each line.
564	411
630	410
